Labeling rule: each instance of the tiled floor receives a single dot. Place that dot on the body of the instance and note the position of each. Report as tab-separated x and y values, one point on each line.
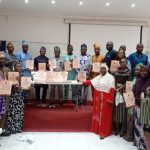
65	141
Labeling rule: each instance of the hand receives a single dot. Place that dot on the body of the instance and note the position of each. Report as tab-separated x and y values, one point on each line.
27	69
18	78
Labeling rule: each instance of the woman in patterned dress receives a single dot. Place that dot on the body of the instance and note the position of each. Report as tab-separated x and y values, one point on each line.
15	118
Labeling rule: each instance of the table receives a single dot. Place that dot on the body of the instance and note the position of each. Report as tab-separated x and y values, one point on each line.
68	82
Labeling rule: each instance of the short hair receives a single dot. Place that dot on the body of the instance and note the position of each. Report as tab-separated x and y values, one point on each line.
43	48
56	48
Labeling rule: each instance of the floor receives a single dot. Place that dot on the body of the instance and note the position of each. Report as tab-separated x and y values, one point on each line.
65	141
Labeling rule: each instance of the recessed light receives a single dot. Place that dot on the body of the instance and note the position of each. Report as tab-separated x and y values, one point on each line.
53	2
107	4
133	5
26	1
80	3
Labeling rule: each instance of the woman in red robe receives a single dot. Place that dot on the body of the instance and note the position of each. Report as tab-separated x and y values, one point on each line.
103	101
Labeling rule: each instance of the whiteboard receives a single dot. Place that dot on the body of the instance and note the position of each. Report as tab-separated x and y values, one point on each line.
119	35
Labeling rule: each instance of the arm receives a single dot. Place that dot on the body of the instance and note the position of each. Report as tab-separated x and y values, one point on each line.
87	82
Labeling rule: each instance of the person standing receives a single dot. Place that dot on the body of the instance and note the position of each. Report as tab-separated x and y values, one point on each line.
41	59
138	57
122	75
22	57
97	58
15	118
11	58
59	67
85	65
111	54
71	74
4	100
103	100
141	90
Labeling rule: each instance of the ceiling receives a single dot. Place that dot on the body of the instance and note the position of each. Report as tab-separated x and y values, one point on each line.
90	8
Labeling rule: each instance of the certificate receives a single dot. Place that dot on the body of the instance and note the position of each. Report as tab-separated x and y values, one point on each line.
52	63
76	63
114	65
67	65
41	66
49	76
129	99
5	87
64	75
12	76
82	76
25	83
96	67
39	77
30	64
129	86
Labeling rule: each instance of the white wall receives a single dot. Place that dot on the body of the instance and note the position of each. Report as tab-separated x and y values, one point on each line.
42	31
38	31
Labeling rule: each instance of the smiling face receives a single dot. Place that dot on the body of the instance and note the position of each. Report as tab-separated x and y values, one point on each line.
103	71
144	72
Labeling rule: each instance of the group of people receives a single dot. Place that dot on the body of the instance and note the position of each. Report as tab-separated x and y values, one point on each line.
110	114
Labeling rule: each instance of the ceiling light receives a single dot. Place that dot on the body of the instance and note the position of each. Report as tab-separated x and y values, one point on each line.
26	1
80	3
107	4
53	2
133	5
0	0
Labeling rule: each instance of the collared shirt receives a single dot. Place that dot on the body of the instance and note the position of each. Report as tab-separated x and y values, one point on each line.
135	59
23	57
111	55
96	59
85	64
9	60
59	64
72	73
41	59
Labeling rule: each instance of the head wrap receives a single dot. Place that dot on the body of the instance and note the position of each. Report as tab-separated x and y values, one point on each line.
57	49
24	43
96	45
104	65
83	46
104	83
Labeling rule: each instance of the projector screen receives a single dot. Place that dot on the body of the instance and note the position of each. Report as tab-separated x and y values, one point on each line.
119	35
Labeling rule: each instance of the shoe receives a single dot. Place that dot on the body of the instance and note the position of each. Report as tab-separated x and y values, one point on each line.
52	106
129	139
5	134
43	105
101	138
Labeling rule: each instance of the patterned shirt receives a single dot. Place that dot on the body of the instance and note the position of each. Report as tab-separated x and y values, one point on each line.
85	64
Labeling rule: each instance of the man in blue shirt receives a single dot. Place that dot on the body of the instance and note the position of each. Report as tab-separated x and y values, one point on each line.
41	59
138	57
23	57
111	54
